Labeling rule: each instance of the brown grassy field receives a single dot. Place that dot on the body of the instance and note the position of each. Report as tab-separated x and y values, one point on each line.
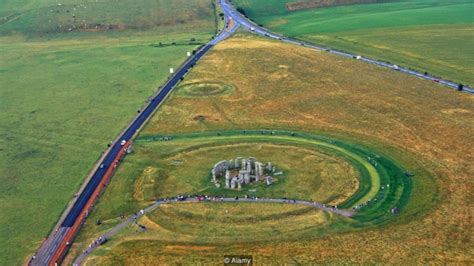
212	227
423	126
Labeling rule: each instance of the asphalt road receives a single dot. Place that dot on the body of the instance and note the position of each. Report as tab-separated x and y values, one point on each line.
133	218
253	27
59	238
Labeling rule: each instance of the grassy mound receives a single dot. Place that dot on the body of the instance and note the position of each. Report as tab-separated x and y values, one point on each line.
204	89
201	233
227	223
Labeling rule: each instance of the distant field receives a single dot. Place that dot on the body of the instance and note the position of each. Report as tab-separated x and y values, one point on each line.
422	126
48	19
307	4
65	95
435	36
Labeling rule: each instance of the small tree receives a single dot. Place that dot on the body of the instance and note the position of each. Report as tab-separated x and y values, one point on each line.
241	11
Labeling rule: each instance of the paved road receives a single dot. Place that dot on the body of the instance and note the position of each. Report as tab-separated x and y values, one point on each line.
251	26
52	250
133	218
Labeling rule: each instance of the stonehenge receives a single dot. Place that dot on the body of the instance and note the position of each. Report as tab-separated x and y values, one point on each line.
242	171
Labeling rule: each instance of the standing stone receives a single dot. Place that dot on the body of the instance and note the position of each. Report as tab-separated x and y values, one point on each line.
227	179
269	180
252	161
246	178
214	178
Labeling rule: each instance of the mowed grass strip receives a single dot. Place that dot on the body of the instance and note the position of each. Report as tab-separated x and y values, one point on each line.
66	94
431	36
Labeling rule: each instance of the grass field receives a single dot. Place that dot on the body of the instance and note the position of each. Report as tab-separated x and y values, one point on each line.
312	166
215	227
66	94
422	126
52	19
212	228
435	36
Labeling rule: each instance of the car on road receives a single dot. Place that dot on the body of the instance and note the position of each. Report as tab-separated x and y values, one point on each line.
252	28
123	142
102	166
395	67
358	57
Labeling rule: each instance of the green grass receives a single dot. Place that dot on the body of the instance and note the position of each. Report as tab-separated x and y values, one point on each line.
150	173
372	178
65	95
421	126
202	233
73	18
435	36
